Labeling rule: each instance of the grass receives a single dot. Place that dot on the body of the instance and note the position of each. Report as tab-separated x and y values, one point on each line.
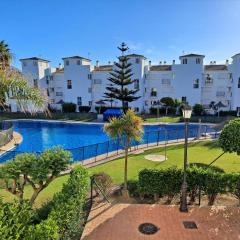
176	119
86	117
203	152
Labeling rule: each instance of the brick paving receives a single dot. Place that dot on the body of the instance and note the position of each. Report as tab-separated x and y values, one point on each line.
121	221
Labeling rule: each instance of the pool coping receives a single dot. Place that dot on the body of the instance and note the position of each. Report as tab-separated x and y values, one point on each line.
102	123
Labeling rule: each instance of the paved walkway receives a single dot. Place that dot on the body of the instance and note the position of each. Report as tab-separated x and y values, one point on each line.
17	139
121	221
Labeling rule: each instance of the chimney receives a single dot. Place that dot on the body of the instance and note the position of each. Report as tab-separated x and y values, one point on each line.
173	62
109	62
97	63
165	62
227	62
160	62
150	63
214	62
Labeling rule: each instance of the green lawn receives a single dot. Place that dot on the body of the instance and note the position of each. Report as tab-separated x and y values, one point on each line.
176	119
203	152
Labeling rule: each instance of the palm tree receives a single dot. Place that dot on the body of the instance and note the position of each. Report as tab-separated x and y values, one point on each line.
127	129
5	55
13	85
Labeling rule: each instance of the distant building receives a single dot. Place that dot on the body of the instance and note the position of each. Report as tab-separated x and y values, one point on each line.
81	82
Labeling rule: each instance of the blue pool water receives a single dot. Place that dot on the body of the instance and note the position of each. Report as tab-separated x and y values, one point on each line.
87	140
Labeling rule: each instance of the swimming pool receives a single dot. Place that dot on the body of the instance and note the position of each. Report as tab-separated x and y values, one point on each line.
87	140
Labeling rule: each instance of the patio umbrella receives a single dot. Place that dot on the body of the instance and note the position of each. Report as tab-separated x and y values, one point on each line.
218	106
60	102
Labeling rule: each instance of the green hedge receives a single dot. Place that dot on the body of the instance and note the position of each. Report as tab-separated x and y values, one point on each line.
69	107
167	182
62	218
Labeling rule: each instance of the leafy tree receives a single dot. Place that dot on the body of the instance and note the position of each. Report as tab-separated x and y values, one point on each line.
5	55
37	170
230	137
127	129
198	109
121	79
167	103
13	84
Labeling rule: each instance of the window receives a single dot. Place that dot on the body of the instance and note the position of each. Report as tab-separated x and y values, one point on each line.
47	81
90	103
208	79
136	84
51	90
35	63
97	81
184	99
51	78
146	103
166	81
184	61
47	92
239	82
78	62
198	60
35	83
137	60
52	101
196	83
220	94
145	90
67	62
69	84
230	76
136	109
79	101
59	94
89	90
90	76
153	92
24	64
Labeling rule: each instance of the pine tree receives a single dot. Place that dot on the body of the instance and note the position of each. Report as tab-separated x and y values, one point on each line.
121	79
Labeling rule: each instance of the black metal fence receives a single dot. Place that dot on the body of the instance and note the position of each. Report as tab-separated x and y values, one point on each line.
97	152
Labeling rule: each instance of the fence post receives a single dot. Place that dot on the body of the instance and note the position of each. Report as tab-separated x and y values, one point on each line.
96	152
107	147
158	137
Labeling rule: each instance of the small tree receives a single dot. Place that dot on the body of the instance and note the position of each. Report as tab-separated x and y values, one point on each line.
198	109
167	102
38	171
230	137
121	79
127	129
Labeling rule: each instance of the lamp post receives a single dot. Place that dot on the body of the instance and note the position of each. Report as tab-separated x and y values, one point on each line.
187	111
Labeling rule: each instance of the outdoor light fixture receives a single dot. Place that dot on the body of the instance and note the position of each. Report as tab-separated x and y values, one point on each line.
187	112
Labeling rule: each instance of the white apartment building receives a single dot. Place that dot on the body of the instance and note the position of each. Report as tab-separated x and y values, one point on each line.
81	82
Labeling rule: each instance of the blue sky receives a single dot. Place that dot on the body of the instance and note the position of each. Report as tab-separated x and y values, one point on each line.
161	30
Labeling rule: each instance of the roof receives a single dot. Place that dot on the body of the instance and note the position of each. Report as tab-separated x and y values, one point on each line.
215	67
192	55
59	70
135	55
103	68
77	57
235	55
161	68
34	58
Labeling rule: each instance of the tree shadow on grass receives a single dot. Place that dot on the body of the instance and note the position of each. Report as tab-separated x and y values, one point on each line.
206	166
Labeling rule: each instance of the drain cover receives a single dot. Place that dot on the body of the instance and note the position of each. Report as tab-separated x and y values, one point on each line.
148	228
190	224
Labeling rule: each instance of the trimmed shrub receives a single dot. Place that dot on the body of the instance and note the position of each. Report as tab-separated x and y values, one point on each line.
104	181
133	188
67	210
198	109
69	107
84	109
